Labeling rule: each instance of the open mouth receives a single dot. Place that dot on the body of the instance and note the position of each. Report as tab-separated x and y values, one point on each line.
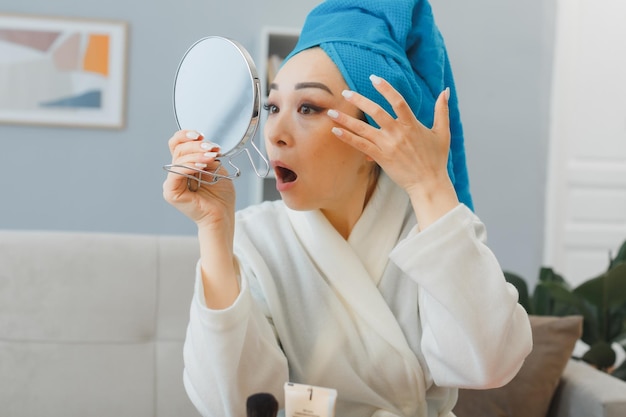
285	175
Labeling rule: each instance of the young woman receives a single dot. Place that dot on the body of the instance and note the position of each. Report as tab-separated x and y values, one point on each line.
369	276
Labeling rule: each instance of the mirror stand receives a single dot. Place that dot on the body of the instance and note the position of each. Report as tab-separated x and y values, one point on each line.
215	176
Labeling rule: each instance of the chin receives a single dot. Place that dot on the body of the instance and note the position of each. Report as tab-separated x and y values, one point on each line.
296	204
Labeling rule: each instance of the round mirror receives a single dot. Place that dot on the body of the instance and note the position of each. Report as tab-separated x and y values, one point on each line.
217	92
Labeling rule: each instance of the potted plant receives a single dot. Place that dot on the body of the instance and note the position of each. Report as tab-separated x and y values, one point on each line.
601	301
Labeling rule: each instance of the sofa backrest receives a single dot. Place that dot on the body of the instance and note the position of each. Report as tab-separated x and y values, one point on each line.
93	324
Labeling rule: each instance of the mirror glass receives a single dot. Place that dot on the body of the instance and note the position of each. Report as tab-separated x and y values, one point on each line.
217	92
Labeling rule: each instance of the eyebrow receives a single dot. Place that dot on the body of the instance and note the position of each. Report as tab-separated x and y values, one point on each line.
300	86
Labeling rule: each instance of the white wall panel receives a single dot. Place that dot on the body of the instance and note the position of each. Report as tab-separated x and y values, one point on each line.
586	193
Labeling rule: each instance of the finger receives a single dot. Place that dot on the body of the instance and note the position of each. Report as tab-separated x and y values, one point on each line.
394	98
441	123
367	106
191	164
367	147
200	160
183	136
187	142
353	124
194	147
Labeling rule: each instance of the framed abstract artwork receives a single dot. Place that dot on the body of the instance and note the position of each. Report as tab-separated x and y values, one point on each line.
62	71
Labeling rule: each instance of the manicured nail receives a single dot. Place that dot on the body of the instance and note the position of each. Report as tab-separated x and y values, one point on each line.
210	154
333	113
375	79
209	145
347	93
192	135
200	165
446	93
337	131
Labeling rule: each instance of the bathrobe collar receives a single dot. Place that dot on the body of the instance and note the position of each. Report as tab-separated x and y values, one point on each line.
354	267
383	218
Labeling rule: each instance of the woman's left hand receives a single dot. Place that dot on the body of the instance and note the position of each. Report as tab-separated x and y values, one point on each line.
412	155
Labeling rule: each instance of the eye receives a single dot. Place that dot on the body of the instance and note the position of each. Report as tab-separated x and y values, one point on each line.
309	109
270	108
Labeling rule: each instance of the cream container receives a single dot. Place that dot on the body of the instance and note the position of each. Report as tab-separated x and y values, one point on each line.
309	401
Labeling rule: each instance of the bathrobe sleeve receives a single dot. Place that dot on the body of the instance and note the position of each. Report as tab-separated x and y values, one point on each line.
230	354
475	334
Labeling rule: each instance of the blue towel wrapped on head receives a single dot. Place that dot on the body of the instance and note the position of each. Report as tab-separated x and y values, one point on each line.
399	41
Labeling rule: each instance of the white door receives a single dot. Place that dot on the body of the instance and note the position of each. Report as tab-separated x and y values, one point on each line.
586	191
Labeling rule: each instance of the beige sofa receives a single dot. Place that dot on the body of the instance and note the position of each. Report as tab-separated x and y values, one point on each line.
93	325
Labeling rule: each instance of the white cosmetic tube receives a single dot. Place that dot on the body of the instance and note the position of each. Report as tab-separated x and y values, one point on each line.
309	401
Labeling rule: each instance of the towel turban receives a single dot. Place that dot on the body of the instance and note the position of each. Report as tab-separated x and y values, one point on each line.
399	41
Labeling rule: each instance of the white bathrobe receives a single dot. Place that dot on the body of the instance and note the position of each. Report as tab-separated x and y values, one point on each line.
394	319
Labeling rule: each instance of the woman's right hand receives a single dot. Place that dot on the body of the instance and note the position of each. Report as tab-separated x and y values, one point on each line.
210	204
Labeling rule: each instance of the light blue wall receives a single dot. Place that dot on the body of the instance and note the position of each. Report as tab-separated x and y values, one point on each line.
501	52
110	180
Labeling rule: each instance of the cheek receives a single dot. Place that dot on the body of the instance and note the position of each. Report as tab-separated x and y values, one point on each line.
341	157
266	141
347	152
267	129
318	142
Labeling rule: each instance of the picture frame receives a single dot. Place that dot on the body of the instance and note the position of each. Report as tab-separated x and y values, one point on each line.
60	71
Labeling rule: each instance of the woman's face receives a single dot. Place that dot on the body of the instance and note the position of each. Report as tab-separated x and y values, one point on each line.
314	169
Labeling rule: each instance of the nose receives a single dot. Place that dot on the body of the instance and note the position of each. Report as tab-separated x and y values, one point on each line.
277	130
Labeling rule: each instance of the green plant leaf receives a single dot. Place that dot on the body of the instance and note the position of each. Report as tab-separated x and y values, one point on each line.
607	290
600	354
620	257
547	274
592	326
615	325
606	294
554	298
621	337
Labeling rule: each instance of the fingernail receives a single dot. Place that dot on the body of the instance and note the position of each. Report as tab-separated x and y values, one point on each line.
446	93
192	135
375	79
333	113
210	154
337	131
347	93
209	145
200	165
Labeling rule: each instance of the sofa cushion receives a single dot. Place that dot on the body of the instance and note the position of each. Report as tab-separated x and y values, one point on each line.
529	394
586	392
77	379
71	287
